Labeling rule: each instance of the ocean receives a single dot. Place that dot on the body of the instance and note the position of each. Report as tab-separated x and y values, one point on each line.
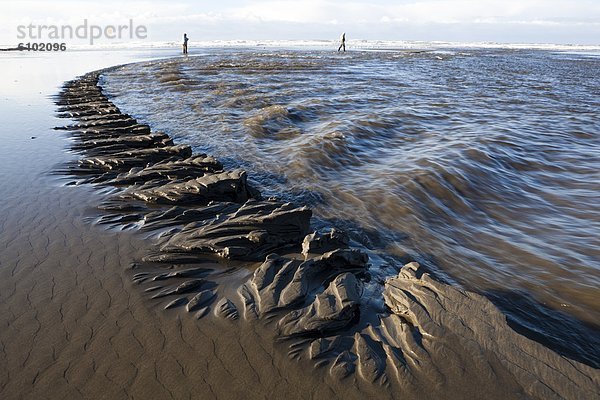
481	163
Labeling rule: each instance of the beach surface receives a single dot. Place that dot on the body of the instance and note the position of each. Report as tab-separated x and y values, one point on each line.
96	304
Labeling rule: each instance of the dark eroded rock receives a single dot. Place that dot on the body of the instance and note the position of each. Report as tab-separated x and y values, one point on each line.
200	300
229	186
371	357
179	215
185	287
322	347
176	303
168	171
226	309
281	282
333	309
135	158
343	259
277	283
343	365
182	273
322	243
202	312
105	147
255	230
109	121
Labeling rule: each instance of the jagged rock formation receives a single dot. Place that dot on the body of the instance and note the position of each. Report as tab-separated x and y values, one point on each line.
254	230
169	171
112	145
222	186
431	338
121	152
332	310
322	243
281	282
185	287
226	309
200	300
135	158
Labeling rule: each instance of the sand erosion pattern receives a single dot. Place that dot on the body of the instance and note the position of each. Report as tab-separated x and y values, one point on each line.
308	288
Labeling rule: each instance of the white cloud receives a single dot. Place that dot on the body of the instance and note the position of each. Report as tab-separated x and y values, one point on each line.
425	11
315	18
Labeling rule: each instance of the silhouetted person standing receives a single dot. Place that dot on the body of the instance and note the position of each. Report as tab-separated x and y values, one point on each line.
185	40
343	44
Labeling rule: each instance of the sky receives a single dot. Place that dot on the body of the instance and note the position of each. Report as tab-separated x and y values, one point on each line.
508	21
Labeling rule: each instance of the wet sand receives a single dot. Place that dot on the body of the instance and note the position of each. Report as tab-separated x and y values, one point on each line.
73	325
78	323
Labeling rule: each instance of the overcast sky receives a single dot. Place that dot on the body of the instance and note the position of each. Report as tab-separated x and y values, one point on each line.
513	21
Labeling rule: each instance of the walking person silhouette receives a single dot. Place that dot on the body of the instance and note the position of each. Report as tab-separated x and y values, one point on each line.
185	40
343	44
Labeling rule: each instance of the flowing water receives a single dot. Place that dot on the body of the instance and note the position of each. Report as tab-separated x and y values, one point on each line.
482	164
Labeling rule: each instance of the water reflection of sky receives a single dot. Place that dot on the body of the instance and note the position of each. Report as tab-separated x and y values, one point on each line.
28	80
26	75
